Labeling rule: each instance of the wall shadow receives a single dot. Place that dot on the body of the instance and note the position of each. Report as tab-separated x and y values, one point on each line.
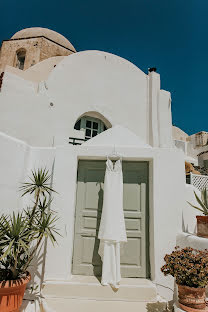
160	307
36	269
96	258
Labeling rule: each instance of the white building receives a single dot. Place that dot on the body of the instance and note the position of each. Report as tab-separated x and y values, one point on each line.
100	95
193	146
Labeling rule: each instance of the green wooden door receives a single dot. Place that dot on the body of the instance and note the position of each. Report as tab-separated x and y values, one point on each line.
90	183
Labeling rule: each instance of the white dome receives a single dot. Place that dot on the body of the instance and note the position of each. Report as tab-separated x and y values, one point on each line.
50	34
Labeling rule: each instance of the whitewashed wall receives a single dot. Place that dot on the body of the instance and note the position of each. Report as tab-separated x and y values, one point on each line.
44	114
14	157
167	196
167	200
165	119
17	159
189	213
106	84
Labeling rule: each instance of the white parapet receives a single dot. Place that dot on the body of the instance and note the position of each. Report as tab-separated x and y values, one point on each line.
190	240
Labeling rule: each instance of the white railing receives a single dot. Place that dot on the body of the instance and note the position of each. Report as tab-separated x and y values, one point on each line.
199	181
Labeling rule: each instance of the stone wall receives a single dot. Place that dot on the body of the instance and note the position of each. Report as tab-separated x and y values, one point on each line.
37	49
201	138
179	134
50	49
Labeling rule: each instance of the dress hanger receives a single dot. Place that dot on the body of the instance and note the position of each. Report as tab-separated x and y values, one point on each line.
114	154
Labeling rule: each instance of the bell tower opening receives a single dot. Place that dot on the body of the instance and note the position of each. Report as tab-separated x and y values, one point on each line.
20	58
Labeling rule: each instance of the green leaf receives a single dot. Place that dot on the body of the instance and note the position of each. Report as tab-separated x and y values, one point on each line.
39	183
204	197
196	207
205	209
8	250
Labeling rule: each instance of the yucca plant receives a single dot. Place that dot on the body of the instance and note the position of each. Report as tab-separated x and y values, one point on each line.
203	202
21	233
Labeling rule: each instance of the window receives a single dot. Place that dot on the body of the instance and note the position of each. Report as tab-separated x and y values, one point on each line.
91	126
206	163
20	57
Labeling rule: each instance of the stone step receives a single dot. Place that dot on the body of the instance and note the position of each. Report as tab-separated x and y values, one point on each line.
88	287
78	305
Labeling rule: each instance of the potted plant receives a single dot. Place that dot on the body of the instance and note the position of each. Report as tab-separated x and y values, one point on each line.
190	269
21	235
202	221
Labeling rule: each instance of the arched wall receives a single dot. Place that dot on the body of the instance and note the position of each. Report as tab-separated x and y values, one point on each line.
102	83
89	81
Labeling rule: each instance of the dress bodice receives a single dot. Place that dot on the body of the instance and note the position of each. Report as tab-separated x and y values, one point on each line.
114	167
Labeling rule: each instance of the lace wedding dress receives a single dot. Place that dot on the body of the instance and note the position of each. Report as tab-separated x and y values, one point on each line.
112	226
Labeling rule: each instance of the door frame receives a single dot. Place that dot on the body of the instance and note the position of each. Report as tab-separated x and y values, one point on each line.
149	220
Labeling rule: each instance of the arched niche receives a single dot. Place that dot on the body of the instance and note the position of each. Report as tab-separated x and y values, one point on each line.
20	58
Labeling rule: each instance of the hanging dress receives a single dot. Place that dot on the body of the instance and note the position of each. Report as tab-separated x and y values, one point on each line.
112	225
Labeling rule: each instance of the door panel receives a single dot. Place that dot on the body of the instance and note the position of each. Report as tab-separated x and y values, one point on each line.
90	183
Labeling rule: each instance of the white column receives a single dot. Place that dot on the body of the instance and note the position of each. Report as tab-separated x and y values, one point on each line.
154	88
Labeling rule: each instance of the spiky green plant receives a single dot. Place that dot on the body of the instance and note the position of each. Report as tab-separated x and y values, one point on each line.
39	185
21	234
203	202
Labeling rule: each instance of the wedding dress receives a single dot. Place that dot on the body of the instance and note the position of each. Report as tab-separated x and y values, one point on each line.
112	226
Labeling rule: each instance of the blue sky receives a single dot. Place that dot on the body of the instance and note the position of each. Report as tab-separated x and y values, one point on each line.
171	35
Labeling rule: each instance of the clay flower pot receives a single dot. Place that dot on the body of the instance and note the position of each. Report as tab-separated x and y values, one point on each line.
11	294
191	299
202	226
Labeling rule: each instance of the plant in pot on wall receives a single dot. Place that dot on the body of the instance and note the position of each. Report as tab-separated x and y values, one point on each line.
190	269
21	235
202	221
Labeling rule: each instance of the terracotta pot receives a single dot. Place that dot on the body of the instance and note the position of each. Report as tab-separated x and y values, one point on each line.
202	226
11	294
191	299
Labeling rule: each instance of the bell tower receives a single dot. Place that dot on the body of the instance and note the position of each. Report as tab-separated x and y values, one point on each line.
32	45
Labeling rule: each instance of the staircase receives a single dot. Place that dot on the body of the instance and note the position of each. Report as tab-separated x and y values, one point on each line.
85	293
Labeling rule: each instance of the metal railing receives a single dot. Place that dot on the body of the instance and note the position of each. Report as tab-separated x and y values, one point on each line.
76	141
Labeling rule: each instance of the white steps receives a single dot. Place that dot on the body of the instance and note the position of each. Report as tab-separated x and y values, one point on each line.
86	294
77	305
88	287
